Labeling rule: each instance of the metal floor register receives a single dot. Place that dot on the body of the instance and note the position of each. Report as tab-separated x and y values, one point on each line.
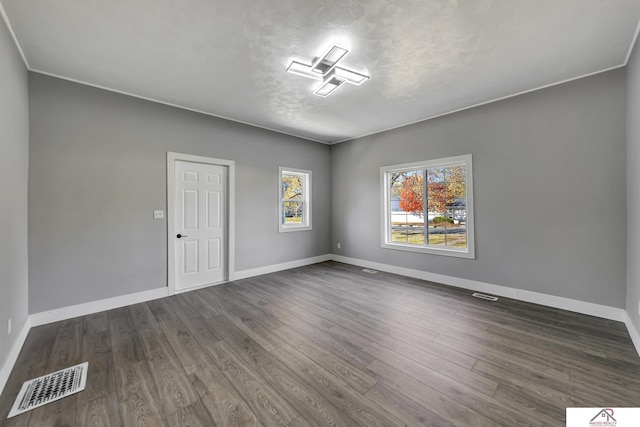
49	388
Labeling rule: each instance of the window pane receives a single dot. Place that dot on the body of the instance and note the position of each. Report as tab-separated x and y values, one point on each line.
407	207
412	192
437	231
435	207
292	212
456	182
446	202
407	228
457	206
436	191
292	187
456	230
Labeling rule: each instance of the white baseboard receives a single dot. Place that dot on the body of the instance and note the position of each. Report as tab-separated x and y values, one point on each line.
70	312
64	313
606	312
84	309
280	267
7	367
633	332
577	306
603	311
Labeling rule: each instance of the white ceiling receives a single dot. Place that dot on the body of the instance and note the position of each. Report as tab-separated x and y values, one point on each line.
228	57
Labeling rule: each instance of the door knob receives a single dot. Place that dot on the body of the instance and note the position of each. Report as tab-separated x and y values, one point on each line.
181	235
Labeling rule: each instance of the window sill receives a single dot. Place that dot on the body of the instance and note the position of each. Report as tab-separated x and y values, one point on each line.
467	253
286	229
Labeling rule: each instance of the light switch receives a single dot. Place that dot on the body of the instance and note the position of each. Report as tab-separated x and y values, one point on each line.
158	214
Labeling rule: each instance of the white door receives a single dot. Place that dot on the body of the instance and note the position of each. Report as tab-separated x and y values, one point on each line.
200	224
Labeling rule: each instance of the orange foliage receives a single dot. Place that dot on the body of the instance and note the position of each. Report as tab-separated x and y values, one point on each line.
412	195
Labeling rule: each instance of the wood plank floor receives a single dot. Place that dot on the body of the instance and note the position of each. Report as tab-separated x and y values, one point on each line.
329	345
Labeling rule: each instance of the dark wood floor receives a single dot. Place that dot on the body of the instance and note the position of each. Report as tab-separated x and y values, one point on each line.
330	345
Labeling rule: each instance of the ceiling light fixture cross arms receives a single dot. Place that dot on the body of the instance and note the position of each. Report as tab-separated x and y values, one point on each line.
324	68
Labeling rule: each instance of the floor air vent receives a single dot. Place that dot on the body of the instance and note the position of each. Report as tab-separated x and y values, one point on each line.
49	388
368	270
483	296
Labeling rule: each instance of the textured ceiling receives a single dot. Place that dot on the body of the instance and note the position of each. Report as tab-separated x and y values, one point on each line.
228	58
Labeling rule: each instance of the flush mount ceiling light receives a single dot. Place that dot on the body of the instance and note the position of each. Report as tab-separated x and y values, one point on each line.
324	68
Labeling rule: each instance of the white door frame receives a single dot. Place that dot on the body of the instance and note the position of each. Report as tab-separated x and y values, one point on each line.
171	232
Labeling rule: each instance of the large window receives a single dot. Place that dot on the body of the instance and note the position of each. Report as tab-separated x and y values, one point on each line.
294	199
428	207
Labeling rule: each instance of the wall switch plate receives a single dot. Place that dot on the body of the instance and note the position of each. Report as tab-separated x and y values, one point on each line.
158	214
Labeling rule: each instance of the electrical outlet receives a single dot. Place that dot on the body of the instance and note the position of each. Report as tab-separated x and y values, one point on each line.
338	245
9	326
158	214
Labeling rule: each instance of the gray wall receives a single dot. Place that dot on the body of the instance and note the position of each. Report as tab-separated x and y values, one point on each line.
98	170
14	153
549	178
633	187
548	170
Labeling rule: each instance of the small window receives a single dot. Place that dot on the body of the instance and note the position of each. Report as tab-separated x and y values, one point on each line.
294	199
428	207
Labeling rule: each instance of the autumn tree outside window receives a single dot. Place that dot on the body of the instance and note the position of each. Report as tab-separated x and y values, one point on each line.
294	199
428	207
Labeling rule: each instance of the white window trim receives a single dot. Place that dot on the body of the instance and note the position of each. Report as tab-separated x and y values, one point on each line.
469	251
306	213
